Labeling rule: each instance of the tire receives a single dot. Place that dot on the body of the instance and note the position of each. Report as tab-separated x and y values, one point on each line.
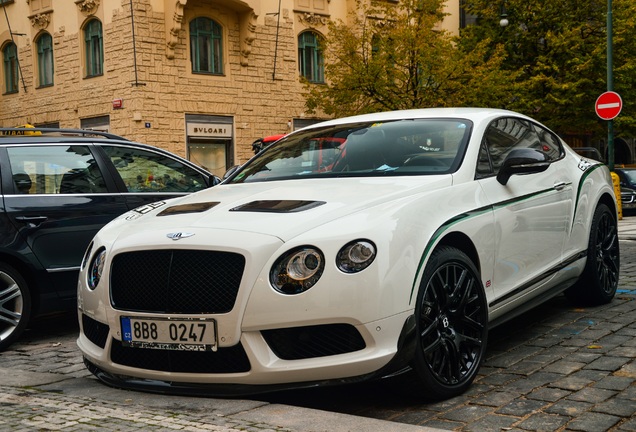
15	305
598	283
452	324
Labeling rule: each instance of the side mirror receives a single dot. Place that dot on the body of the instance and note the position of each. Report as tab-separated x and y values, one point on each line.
522	161
214	180
230	171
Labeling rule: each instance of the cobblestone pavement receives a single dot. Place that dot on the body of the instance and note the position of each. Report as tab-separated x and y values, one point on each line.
558	368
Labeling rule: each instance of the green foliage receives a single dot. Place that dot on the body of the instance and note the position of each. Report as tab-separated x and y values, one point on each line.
558	48
389	57
549	62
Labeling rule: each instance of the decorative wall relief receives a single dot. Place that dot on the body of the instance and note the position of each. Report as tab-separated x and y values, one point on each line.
87	7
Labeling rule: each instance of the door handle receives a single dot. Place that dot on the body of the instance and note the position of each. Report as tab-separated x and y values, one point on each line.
31	221
560	185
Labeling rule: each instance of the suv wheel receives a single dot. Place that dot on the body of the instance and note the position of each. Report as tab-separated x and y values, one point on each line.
15	305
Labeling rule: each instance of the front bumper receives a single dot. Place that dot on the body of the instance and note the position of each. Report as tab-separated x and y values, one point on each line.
250	367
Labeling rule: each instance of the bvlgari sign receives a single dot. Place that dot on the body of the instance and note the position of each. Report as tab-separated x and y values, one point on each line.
209	130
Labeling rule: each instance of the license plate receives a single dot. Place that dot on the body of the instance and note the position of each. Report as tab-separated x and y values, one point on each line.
169	334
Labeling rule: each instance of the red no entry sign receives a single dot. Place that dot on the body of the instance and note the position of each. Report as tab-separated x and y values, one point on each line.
608	105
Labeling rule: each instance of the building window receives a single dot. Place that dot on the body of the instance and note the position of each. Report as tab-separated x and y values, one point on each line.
10	57
94	48
45	60
206	43
310	61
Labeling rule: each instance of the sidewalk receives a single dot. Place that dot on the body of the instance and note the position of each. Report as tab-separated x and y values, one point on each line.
627	228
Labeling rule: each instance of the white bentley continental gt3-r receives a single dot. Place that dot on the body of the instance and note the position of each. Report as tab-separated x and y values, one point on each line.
352	249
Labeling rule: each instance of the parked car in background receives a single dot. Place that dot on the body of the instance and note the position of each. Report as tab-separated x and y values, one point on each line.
628	200
627	176
350	250
59	187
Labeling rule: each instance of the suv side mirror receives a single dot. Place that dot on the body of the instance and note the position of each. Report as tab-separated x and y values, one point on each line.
214	180
522	161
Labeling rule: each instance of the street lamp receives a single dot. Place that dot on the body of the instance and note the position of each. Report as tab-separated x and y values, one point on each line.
503	22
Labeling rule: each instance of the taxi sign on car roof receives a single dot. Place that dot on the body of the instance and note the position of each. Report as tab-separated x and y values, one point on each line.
21	130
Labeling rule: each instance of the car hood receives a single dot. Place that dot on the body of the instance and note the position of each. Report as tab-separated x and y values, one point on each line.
283	209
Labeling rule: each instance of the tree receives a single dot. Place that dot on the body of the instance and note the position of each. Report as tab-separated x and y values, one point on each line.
558	48
394	56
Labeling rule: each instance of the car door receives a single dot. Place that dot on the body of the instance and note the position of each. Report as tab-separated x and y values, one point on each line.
57	198
144	175
532	212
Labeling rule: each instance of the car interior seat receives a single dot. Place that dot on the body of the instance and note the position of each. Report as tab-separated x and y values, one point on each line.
22	182
364	149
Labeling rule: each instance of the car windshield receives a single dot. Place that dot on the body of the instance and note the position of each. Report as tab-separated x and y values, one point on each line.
403	147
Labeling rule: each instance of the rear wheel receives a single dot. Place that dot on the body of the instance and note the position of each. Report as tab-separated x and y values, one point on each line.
452	319
599	280
15	305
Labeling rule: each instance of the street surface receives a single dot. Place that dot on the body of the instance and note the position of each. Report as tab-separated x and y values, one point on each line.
556	368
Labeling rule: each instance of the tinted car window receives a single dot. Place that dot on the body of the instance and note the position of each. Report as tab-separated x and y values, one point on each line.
69	169
145	171
507	134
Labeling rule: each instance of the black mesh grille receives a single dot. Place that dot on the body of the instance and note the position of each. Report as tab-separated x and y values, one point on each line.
95	331
225	360
176	281
314	341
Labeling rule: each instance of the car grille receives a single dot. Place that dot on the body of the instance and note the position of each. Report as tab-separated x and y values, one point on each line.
176	281
313	341
224	360
95	331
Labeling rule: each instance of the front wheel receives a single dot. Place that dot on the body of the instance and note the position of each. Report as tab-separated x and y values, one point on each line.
599	280
15	305
452	324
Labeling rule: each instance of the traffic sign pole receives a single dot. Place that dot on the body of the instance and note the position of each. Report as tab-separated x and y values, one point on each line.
610	86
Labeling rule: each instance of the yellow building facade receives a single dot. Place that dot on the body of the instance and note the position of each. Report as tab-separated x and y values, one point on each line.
200	78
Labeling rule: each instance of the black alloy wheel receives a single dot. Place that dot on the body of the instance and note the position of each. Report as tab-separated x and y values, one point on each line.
452	318
599	280
15	305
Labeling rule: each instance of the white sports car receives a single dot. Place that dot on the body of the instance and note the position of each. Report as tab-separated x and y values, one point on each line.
349	250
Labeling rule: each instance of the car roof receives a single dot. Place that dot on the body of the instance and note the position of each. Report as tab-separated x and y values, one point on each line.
473	114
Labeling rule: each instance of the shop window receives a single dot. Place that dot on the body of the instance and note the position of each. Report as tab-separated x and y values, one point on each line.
310	59
93	48
45	60
10	57
206	46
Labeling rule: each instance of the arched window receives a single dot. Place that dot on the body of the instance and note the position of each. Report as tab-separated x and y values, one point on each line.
206	46
10	57
45	60
310	61
94	48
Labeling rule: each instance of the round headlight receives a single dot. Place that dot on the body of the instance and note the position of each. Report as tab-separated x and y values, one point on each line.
356	256
96	268
297	270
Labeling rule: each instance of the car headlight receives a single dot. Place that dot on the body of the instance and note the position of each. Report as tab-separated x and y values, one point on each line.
297	270
356	256
96	268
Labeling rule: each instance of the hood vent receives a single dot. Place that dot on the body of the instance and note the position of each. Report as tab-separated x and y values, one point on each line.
278	206
187	208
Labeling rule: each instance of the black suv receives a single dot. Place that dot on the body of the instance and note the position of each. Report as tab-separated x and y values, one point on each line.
58	188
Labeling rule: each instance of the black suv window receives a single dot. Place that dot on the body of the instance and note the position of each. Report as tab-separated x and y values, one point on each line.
145	171
60	169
